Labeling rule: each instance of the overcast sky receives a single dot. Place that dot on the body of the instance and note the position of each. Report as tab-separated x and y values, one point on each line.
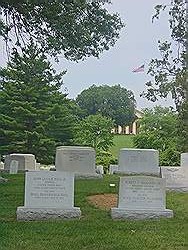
137	45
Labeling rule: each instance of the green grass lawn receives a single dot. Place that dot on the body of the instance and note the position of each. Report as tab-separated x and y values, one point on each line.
121	141
95	230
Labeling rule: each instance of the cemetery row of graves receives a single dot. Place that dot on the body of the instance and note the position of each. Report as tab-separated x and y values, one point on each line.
142	183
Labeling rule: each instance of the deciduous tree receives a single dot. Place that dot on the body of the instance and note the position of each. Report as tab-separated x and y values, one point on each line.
170	71
95	131
158	130
114	102
76	28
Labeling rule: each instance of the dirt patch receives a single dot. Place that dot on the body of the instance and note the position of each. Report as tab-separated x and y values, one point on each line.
103	201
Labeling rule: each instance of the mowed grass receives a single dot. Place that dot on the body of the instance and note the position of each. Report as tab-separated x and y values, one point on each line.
121	141
95	230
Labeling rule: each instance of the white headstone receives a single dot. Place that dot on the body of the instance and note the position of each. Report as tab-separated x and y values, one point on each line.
75	159
176	178
49	190
141	197
100	169
142	192
13	167
113	169
137	161
184	160
48	195
37	166
1	165
25	161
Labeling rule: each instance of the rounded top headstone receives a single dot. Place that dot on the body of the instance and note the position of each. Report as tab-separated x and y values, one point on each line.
184	160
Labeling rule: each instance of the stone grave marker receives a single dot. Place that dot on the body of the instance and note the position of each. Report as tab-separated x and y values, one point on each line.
13	167
139	161
48	195
113	169
25	161
79	160
100	169
184	160
37	165
176	178
1	165
141	197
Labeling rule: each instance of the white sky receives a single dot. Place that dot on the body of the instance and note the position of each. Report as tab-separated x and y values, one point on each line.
137	45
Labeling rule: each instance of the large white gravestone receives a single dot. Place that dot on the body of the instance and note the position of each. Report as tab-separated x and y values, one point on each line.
48	195
79	160
139	161
176	178
184	160
25	161
13	167
141	197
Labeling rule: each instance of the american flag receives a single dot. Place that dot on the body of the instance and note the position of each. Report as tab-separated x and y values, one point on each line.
139	69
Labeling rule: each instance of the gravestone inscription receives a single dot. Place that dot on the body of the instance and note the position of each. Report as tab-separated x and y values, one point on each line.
176	178
79	160
75	159
139	161
48	195
141	197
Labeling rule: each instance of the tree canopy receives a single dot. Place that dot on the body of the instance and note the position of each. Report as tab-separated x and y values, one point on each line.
34	115
158	130
114	102
170	71
77	29
95	131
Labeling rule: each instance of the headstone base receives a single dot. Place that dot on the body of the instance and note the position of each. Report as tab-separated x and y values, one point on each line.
121	214
30	214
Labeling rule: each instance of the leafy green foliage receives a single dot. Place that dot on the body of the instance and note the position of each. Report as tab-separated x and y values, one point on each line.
78	29
34	115
105	158
114	102
170	71
95	131
158	130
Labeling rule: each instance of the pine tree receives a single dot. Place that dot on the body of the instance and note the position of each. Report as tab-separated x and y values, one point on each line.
34	114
